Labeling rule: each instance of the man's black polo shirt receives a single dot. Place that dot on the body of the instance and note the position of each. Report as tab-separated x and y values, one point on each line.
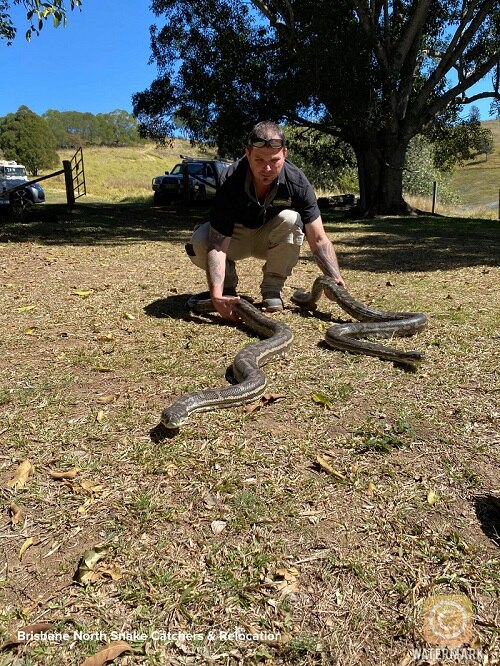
235	201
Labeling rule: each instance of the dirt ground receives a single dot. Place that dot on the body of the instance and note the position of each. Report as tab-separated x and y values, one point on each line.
311	528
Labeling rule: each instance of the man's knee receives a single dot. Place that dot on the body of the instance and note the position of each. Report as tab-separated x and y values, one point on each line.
290	218
196	248
287	227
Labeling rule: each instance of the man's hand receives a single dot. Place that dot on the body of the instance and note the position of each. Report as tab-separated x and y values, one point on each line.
225	307
323	251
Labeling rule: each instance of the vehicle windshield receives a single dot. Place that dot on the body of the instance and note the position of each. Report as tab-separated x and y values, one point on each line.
13	171
193	169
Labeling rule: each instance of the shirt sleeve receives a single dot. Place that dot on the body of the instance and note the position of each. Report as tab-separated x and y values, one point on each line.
304	200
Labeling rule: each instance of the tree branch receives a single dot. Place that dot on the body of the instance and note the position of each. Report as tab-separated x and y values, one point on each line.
456	47
461	87
282	21
414	26
368	27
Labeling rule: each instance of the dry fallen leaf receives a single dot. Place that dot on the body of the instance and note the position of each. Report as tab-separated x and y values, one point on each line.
128	316
286	588
290	575
25	308
21	475
371	489
114	572
69	474
431	498
83	293
106	399
99	416
25	546
90	486
85	572
323	462
24	631
108	653
105	337
86	505
263	401
30	331
16	514
217	526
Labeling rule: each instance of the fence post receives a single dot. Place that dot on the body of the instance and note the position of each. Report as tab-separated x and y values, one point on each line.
434	193
68	179
185	182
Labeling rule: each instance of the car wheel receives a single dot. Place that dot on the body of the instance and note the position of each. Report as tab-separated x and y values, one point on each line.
21	204
157	199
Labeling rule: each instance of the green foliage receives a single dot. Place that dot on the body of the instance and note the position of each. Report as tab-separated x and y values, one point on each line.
421	172
37	13
383	438
373	74
26	138
329	163
74	128
461	142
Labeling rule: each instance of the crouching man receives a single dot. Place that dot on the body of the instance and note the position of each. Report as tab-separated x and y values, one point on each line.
263	208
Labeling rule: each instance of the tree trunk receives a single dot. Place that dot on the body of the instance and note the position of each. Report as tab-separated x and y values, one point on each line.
380	172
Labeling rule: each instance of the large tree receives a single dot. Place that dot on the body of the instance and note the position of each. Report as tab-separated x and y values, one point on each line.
37	12
374	73
26	138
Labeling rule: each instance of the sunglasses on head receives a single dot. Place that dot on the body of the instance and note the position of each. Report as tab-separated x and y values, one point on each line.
270	143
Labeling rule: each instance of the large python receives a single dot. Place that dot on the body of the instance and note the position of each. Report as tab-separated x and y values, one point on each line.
246	367
247	363
373	323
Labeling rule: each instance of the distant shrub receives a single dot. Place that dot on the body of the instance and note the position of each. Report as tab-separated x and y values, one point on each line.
420	173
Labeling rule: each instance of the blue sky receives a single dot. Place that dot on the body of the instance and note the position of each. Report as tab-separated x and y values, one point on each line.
95	64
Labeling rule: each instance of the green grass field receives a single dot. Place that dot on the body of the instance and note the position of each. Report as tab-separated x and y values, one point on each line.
124	175
478	181
121	174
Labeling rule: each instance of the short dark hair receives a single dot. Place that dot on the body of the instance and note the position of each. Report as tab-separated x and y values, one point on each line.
266	129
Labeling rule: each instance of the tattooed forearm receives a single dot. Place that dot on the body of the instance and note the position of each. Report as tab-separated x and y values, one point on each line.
326	259
215	240
215	269
216	261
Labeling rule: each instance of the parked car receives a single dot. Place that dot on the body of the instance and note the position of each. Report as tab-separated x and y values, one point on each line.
12	177
193	179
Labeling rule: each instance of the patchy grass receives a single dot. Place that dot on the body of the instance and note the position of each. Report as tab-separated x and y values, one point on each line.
121	174
477	181
231	528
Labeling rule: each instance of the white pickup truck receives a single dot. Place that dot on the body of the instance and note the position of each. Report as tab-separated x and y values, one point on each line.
12	175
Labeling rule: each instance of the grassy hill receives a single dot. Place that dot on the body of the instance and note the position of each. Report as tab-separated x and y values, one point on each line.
124	174
121	174
478	181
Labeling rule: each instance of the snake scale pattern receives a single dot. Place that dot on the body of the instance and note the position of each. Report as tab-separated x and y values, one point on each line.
246	367
371	323
278	339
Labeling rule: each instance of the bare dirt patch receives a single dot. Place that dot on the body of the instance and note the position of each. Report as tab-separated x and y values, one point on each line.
231	526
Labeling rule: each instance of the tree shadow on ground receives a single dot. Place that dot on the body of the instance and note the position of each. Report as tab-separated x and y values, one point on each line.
379	245
103	224
425	244
488	513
